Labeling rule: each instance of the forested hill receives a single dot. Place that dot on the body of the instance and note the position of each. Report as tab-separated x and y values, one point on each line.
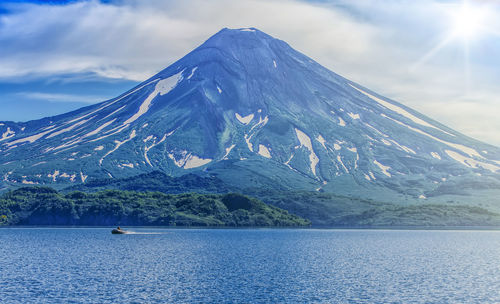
321	208
46	206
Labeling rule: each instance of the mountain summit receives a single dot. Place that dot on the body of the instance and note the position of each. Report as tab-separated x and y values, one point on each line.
255	112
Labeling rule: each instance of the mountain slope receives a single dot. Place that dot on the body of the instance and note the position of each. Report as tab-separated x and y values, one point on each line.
156	181
256	113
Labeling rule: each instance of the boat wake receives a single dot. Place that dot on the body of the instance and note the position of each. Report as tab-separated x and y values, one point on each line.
134	232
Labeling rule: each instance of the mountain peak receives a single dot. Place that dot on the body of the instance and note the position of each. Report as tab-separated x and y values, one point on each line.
242	50
239	39
240	33
251	110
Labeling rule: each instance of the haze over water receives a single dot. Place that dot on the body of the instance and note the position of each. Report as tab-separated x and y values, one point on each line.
249	265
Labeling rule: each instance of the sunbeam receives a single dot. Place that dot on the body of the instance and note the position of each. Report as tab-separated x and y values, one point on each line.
468	22
432	52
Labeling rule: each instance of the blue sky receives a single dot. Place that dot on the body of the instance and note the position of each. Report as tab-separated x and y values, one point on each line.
56	56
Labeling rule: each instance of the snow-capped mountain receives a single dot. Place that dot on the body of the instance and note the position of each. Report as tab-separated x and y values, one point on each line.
250	109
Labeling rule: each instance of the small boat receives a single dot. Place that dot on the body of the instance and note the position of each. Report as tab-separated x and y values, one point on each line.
118	231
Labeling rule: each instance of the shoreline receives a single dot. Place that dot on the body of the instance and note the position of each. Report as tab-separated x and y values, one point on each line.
333	228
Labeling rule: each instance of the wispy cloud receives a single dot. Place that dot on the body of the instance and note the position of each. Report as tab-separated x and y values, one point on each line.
56	97
373	42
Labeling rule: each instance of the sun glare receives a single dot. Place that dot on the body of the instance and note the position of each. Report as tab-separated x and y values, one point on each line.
468	21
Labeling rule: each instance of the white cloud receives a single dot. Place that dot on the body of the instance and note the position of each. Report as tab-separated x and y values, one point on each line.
56	97
372	43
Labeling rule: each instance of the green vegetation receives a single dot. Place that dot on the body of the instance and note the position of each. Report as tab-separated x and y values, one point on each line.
321	208
326	209
46	206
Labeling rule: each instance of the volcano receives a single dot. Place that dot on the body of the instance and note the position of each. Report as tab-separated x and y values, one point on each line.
251	110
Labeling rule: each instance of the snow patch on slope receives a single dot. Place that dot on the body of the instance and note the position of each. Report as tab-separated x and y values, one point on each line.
261	123
436	155
404	148
383	168
99	129
162	87
188	160
386	142
194	162
321	140
154	144
7	134
53	175
339	159
83	177
109	104
466	150
287	163
341	122
228	150
192	72
113	113
66	175
399	110
244	119
353	116
249	144
305	141
30	139
471	163
109	133
118	144
376	130
39	163
264	151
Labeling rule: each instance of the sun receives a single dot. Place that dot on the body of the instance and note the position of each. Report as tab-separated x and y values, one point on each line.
468	21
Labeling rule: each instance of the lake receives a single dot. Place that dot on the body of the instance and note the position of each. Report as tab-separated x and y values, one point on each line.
90	265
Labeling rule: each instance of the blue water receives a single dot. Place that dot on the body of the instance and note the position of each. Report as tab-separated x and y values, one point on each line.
248	266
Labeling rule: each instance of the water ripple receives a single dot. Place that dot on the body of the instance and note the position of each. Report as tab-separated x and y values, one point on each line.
248	266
